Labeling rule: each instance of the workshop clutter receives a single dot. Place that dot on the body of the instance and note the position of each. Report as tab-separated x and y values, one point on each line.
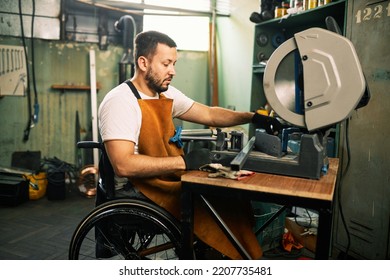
13	189
272	235
17	187
37	185
16	182
303	225
302	237
28	164
59	174
289	233
30	178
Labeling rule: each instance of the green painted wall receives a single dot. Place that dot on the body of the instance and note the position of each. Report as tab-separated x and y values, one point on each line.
68	63
235	41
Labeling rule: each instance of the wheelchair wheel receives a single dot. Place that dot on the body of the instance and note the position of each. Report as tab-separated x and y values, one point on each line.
126	229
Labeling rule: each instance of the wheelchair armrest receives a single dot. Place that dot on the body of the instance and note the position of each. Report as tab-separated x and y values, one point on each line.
90	145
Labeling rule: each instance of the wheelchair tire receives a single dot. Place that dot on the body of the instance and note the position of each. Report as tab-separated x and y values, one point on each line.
126	229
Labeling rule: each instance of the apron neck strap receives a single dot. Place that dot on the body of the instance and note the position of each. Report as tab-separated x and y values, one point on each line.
133	89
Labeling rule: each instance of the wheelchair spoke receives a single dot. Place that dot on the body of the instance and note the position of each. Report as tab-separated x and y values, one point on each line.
156	249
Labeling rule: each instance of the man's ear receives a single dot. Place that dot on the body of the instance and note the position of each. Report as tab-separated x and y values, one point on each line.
143	63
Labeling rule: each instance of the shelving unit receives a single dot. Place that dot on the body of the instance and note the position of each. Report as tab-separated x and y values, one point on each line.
363	192
272	33
269	35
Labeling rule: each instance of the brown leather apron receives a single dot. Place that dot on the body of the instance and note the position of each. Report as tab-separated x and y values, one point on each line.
156	129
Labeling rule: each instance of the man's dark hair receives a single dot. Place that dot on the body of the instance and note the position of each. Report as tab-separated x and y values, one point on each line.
145	43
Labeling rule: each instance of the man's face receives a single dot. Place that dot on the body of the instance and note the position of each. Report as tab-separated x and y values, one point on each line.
161	68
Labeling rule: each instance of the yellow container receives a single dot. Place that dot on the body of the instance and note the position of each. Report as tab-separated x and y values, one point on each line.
313	4
280	11
37	186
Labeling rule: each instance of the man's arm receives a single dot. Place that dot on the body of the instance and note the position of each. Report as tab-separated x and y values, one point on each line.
220	117
215	116
127	164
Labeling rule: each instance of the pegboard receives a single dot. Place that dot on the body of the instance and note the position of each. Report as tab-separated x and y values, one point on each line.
13	70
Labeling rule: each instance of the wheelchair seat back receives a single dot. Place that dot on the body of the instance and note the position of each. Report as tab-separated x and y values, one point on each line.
106	185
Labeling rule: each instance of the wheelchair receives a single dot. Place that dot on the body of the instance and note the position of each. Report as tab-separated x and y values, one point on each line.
131	228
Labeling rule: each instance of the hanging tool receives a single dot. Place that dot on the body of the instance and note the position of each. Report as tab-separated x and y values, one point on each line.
126	25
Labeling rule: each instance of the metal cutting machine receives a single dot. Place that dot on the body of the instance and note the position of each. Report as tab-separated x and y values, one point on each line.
312	81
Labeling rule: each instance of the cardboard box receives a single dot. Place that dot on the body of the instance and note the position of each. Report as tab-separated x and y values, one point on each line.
308	241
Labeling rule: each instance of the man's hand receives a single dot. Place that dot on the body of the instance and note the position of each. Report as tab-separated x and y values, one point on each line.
197	158
270	124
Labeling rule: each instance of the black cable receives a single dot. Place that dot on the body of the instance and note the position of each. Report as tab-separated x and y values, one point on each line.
26	133
310	218
332	25
53	166
342	176
36	104
299	223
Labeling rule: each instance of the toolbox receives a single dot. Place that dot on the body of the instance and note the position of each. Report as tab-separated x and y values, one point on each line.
14	189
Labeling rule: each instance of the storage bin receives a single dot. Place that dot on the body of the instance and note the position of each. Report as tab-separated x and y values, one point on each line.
271	236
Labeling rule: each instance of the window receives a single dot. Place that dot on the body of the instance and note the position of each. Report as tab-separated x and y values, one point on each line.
189	32
186	21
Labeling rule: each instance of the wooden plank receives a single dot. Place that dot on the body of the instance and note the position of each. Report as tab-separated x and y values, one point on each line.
74	87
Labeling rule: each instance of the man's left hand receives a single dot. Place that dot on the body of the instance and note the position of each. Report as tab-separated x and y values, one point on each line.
270	124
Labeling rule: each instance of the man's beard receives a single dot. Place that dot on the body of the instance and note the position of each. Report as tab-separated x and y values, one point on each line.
154	83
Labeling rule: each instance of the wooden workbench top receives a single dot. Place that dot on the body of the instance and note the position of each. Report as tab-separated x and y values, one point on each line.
322	189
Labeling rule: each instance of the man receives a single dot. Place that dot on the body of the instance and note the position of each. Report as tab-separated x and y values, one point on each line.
135	122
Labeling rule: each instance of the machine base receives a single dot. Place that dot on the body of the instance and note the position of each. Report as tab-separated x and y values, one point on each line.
311	162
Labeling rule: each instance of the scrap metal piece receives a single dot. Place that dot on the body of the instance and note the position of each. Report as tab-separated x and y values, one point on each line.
237	163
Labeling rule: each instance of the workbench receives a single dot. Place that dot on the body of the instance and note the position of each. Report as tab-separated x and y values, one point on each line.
283	190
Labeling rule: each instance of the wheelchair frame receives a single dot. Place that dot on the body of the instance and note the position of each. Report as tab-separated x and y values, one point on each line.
131	228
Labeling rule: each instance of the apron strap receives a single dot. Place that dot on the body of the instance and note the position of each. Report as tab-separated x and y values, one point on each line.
133	89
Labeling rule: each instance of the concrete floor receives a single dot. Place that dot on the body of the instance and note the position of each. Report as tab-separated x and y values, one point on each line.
41	229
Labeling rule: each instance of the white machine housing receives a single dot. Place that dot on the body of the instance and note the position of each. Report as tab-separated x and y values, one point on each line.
333	81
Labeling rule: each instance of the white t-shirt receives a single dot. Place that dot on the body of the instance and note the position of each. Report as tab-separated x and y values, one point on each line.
120	116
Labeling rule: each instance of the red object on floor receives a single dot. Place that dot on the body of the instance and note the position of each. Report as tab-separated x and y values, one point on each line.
289	242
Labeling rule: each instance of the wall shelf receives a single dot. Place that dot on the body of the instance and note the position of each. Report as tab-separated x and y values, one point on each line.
73	87
336	9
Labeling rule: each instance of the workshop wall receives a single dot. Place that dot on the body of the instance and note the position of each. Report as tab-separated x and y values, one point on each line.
64	62
68	64
235	47
54	134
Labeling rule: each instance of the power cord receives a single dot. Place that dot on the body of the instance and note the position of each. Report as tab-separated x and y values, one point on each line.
32	117
342	176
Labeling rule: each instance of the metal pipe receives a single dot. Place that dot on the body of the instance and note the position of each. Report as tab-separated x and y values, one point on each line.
197	132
